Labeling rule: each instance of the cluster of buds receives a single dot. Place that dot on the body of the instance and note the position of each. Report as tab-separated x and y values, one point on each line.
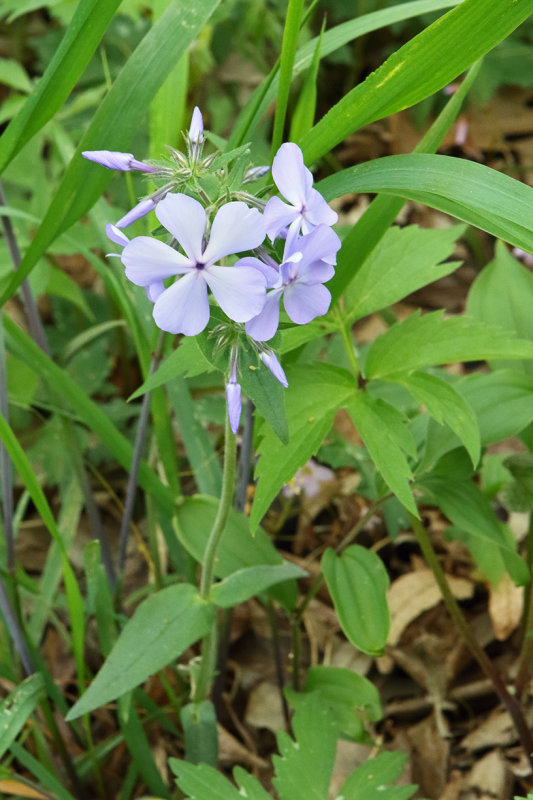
205	231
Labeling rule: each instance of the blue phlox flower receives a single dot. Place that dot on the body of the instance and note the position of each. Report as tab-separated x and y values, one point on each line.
306	207
183	307
307	264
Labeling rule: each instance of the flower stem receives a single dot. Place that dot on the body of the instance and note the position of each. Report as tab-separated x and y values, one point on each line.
346	336
509	701
209	643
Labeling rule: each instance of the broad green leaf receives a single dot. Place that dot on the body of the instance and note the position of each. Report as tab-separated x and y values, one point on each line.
186	359
419	69
247	582
421	341
383	210
81	39
303	770
369	781
502	403
13	74
387	438
490	541
237	549
472	192
358	583
117	120
332	40
402	262
447	406
97	420
502	295
17	707
350	698
162	627
313	397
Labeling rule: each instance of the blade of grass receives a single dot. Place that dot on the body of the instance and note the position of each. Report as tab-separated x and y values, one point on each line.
291	31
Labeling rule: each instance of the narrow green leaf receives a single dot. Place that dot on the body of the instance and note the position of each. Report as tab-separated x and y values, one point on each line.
502	295
311	400
139	746
402	262
81	39
186	359
383	210
489	540
421	341
291	30
162	627
43	775
237	550
358	583
116	121
419	69
13	74
96	419
446	406
304	113
250	581
332	40
17	707
465	189
386	437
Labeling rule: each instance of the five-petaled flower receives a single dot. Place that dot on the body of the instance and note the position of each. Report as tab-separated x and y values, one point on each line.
183	307
307	207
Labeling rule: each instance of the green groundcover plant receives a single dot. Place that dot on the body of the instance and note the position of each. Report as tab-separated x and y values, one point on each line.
222	266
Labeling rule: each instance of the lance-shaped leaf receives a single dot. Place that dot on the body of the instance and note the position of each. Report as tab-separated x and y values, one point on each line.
358	583
162	627
247	582
421	341
17	707
419	68
467	190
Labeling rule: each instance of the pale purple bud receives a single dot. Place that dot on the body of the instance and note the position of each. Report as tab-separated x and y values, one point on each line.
254	174
196	131
271	362
461	132
113	159
527	258
233	399
137	212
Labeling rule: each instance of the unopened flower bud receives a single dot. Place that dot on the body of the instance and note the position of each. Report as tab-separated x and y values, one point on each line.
137	212
196	130
254	174
113	159
271	362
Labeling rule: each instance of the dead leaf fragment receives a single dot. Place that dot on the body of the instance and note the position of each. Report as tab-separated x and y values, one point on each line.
415	592
505	607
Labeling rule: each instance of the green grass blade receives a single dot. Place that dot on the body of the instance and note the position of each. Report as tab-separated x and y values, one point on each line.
382	212
304	113
332	40
87	411
288	51
17	707
419	69
114	124
467	190
87	27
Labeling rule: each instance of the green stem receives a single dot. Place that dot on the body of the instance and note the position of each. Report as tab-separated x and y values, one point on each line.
346	336
509	701
209	643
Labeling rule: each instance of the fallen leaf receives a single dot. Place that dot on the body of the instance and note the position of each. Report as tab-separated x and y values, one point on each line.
505	607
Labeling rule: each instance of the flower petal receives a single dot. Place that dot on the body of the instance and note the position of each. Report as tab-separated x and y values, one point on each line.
271	273
148	260
154	290
240	292
271	362
292	177
277	216
235	228
116	235
183	307
184	218
265	325
317	210
303	303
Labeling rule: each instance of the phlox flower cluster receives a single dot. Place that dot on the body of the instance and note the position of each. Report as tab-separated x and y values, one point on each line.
202	235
